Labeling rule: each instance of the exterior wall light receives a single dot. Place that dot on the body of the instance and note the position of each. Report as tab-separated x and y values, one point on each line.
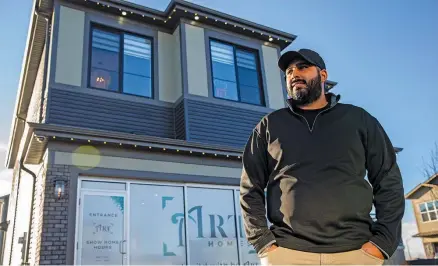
59	189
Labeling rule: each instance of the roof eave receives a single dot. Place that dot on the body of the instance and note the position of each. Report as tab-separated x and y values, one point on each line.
42	133
30	64
178	10
398	149
16	128
411	193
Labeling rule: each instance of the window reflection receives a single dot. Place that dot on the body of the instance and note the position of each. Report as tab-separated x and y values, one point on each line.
235	73
211	226
156	238
107	63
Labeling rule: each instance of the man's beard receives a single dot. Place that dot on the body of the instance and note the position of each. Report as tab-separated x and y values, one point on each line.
308	94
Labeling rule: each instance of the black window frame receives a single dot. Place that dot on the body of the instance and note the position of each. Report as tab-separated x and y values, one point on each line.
121	33
258	66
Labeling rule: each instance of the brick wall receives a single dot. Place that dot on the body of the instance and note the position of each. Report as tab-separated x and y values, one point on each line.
53	241
37	219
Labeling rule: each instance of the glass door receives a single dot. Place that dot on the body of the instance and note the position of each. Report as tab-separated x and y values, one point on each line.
102	238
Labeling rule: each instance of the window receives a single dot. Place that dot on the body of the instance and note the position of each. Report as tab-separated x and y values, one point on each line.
248	255
235	73
133	223
429	211
157	221
120	62
211	226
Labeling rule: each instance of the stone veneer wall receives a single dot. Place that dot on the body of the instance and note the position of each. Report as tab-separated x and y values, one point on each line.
53	230
37	215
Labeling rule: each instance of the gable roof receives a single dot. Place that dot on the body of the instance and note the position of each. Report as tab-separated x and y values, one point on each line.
428	184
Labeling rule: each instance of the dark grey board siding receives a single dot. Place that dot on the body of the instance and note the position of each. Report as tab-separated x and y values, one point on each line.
180	122
218	124
91	111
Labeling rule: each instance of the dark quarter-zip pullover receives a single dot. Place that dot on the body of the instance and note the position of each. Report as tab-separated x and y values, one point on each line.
317	197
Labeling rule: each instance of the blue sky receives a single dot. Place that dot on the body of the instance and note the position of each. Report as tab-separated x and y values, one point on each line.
383	54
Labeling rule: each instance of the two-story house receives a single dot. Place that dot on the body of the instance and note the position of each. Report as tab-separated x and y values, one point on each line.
424	199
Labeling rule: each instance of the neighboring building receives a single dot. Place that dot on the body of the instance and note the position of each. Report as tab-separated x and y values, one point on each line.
424	199
4	202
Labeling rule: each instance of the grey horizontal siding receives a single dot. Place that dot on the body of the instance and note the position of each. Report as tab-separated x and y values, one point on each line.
218	124
180	122
90	111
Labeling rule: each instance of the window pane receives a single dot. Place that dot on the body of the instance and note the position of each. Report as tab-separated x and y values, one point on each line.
137	66
430	206
224	72
225	89
248	77
432	216
157	228
103	185
137	85
211	227
137	56
105	50
103	226
250	94
425	217
104	79
436	204
422	207
248	254
247	69
222	59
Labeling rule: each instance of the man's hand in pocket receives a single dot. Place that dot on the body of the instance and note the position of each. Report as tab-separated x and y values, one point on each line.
371	249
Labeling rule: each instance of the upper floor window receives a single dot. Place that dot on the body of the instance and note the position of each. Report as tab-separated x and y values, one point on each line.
429	211
236	73
120	62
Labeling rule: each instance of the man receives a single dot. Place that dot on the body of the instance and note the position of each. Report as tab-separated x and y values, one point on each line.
311	158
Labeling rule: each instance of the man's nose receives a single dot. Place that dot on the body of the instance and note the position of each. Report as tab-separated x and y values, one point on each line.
295	74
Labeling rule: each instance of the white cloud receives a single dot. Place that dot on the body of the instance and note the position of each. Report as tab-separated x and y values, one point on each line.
413	245
3	147
5	181
6	174
5	187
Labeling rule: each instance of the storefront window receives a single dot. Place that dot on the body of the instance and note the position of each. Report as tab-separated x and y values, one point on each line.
211	227
247	253
99	185
157	225
103	225
135	223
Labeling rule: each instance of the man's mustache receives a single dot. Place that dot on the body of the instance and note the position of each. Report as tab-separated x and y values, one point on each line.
292	82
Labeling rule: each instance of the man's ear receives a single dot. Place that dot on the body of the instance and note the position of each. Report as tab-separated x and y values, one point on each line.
324	75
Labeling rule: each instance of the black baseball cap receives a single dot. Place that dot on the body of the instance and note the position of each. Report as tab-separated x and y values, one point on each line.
306	54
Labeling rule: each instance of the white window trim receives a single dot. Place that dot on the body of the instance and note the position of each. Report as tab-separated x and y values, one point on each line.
427	211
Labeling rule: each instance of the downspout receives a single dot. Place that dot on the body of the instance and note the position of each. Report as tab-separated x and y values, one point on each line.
26	257
15	213
43	89
17	116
